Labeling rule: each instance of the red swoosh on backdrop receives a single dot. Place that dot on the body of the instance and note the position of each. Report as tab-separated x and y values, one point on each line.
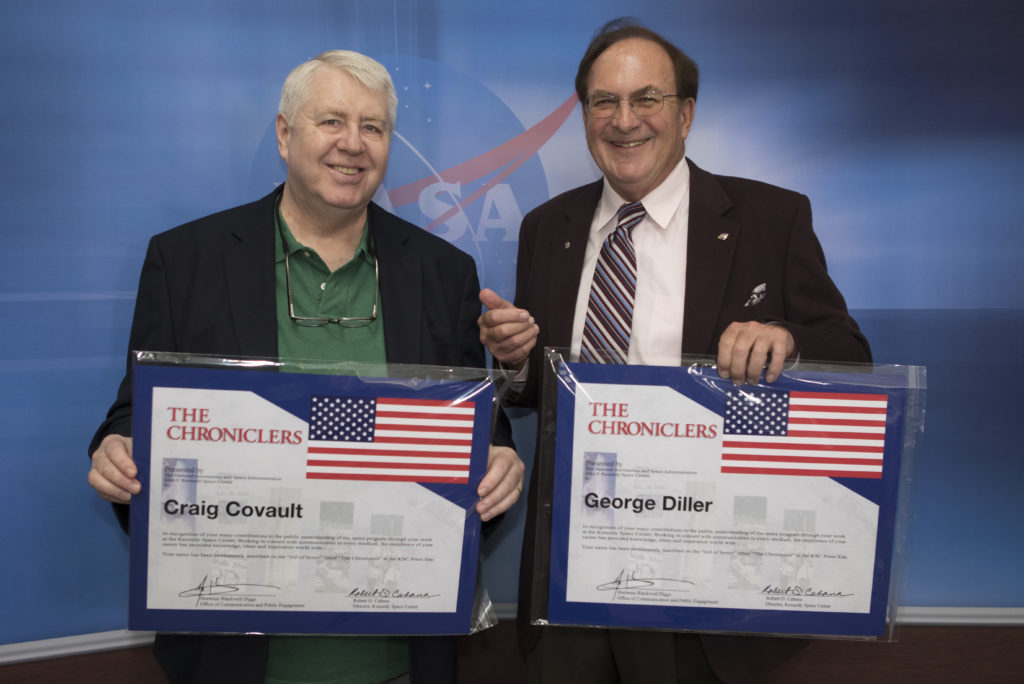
511	155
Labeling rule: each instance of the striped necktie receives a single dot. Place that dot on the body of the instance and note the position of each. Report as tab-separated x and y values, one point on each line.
610	310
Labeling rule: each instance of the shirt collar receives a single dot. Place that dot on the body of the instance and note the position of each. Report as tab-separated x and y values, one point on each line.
661	203
363	251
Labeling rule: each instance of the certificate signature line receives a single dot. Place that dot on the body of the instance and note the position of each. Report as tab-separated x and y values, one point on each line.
207	587
629	581
772	590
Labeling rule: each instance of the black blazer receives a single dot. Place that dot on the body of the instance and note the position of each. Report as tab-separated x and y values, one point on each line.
208	287
741	233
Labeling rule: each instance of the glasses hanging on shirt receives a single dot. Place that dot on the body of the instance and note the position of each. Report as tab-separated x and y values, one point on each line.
320	321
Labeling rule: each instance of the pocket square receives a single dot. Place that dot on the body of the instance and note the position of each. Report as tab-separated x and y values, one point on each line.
757	295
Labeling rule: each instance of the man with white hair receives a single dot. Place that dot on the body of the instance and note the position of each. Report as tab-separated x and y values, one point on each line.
314	270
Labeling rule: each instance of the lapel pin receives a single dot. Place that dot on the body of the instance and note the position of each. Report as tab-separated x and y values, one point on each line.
567	245
757	295
723	236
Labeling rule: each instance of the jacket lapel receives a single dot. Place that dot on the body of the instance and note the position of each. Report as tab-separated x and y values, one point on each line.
251	281
711	241
566	247
400	292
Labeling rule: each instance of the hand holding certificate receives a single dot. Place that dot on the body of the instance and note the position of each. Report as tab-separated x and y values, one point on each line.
293	503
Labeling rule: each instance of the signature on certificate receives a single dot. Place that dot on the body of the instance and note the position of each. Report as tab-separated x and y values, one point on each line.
630	580
796	590
216	587
381	592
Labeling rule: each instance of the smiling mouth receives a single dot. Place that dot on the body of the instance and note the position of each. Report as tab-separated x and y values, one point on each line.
630	144
347	170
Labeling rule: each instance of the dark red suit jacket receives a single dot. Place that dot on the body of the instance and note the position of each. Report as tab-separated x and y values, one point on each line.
742	234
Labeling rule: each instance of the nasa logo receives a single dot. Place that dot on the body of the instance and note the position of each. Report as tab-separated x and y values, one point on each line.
461	166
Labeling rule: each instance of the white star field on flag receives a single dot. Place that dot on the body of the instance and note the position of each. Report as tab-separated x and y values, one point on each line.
341	418
756	412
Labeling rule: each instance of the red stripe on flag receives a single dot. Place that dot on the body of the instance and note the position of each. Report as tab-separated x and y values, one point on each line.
880	410
467	430
387	478
878	423
836	435
378	464
424	402
425	416
805	459
838	396
348	451
801	447
422	440
811	473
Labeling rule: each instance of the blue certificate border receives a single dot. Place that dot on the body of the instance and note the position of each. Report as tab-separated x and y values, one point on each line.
704	386
292	392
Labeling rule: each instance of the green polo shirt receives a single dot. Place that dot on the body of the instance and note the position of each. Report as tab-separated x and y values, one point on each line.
316	291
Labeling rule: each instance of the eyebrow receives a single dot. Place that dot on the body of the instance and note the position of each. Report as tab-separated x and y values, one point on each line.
372	118
639	91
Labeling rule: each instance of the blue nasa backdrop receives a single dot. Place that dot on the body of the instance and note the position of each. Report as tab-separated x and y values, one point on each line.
901	120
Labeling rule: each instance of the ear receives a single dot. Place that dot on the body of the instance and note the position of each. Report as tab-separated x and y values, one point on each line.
282	130
686	110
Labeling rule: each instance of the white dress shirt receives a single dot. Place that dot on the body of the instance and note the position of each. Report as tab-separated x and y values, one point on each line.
660	244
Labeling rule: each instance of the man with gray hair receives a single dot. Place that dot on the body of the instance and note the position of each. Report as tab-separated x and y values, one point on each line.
314	270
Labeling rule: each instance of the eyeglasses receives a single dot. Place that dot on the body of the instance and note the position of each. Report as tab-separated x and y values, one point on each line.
343	321
602	106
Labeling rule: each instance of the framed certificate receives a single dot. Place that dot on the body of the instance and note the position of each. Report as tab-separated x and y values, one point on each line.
300	502
680	501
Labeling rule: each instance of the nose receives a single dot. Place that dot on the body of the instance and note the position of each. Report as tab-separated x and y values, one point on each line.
349	140
625	118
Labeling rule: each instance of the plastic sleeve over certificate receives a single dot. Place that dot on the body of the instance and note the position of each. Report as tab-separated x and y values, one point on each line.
291	502
683	502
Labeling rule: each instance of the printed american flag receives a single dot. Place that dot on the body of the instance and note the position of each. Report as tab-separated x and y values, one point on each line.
386	439
828	434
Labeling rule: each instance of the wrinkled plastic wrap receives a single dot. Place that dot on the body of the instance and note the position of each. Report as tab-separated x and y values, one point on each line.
673	500
307	497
